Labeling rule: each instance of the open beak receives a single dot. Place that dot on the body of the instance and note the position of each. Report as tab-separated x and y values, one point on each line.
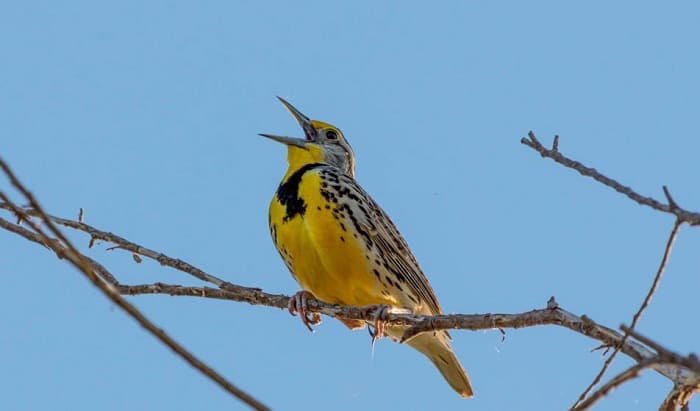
310	132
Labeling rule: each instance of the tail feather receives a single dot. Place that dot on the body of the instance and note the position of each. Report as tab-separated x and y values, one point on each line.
437	348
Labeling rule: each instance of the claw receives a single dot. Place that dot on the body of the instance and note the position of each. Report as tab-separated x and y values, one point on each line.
298	303
380	312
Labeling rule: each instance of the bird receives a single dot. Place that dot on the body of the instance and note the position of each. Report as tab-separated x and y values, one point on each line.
342	248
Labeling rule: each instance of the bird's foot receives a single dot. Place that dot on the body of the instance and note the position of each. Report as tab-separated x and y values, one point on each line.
378	317
299	303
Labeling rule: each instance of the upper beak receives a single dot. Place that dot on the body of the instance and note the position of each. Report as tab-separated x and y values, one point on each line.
305	123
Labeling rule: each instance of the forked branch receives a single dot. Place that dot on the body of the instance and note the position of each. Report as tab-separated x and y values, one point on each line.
64	249
682	216
690	217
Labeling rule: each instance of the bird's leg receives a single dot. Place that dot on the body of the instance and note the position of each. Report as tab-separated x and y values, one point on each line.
378	317
298	303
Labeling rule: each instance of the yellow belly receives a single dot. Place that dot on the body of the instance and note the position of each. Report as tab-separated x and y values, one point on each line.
325	257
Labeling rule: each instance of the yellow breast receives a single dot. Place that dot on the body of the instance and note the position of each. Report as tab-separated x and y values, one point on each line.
323	252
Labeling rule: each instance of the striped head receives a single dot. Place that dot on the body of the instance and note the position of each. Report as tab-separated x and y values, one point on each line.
322	143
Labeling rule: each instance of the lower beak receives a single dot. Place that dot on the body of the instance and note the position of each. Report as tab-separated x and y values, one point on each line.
290	141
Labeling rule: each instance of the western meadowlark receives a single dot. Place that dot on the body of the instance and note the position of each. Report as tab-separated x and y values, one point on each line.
342	248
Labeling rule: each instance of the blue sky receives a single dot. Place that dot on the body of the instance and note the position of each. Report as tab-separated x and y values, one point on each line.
147	114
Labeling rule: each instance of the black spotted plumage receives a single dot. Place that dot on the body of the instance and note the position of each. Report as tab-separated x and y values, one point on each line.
344	249
359	211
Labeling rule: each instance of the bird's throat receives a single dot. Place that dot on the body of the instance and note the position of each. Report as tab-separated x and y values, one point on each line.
298	157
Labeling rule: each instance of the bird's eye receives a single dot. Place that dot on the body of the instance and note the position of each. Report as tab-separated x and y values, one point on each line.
331	135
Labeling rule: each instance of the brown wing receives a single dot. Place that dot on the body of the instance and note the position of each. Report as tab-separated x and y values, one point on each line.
384	238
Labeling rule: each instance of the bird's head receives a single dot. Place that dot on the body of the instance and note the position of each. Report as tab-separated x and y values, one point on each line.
322	143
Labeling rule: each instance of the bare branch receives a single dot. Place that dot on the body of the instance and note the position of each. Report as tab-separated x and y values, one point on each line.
552	315
64	249
691	217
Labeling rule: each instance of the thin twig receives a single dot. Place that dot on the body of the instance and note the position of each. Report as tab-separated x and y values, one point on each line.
691	217
659	272
654	285
69	252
